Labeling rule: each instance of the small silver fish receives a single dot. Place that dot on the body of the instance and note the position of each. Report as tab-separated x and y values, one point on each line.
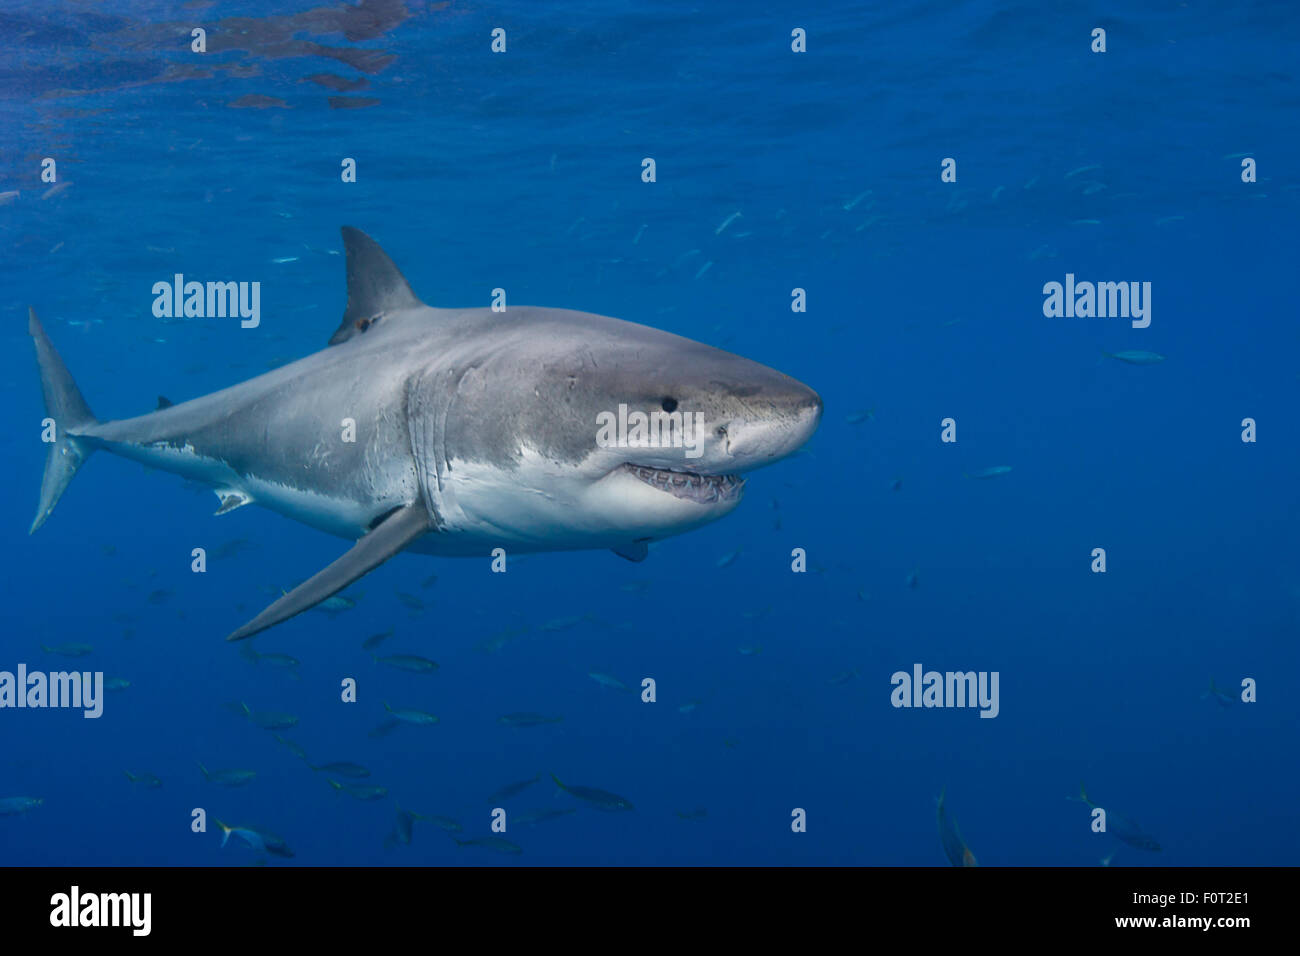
353	771
409	662
69	650
848	206
404	831
954	847
563	623
1136	357
266	719
527	720
56	190
282	661
9	806
600	799
728	559
1121	827
360	792
228	778
410	601
513	789
293	748
604	680
443	823
144	779
531	817
498	844
333	605
993	472
409	716
374	640
726	222
260	840
1222	698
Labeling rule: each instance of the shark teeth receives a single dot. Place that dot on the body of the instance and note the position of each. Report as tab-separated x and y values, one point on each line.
703	489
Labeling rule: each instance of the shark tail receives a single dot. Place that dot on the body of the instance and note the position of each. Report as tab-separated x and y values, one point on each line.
65	406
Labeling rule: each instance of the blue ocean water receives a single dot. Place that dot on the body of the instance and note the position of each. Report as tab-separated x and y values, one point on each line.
522	170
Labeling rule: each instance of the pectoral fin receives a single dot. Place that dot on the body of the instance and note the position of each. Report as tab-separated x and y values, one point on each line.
633	550
389	537
230	500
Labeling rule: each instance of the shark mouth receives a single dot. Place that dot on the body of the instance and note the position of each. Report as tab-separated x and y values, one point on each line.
702	489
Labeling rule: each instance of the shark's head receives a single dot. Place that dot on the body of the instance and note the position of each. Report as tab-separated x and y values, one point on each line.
608	432
678	421
545	429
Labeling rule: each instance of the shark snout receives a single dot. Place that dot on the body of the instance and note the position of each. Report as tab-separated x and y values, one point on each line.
809	407
778	429
806	411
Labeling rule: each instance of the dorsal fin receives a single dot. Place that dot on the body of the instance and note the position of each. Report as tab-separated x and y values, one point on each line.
375	286
164	402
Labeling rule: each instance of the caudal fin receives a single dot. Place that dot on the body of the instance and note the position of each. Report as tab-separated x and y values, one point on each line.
63	404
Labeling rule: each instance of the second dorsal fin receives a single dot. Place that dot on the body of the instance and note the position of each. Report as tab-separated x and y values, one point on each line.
376	287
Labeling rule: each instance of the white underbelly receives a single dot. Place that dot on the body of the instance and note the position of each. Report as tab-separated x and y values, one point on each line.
544	507
342	516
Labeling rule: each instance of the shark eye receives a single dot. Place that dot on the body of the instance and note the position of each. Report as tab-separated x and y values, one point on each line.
669	404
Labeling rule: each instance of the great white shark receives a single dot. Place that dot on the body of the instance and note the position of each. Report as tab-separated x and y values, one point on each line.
471	430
